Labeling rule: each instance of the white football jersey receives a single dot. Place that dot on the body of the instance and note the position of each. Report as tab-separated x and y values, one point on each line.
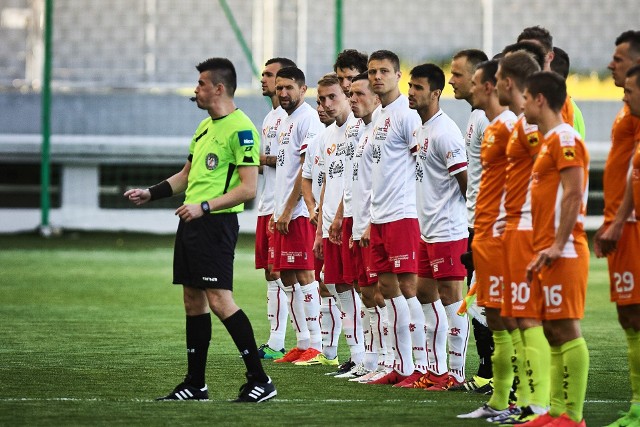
393	191
334	151
294	134
313	166
473	139
269	147
361	187
442	212
352	135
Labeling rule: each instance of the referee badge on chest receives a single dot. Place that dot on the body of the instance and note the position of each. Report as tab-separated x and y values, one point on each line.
211	162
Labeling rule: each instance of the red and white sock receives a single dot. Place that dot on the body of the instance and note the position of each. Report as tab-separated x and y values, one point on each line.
298	318
418	335
311	293
330	327
437	326
352	324
399	319
458	338
277	313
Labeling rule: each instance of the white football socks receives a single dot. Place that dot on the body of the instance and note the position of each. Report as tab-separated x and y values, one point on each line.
352	324
418	335
330	327
437	328
298	318
277	313
399	319
458	338
311	294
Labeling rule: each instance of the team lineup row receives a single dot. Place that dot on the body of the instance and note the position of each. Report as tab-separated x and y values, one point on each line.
392	195
377	199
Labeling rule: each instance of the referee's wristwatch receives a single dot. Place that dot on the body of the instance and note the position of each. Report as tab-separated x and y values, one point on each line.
205	207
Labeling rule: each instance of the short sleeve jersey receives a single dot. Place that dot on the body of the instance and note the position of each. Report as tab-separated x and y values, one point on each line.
269	147
523	147
442	212
294	134
635	181
490	201
313	166
217	149
473	139
333	150
393	193
352	135
362	166
562	148
625	134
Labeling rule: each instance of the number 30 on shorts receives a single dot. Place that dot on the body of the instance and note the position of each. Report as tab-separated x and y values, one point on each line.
520	292
623	282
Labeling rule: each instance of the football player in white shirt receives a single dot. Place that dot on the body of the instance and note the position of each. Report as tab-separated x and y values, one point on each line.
441	183
277	311
330	314
333	150
394	233
294	237
366	105
349	63
462	68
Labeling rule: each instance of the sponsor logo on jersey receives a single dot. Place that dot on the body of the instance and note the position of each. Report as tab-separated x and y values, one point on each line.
285	136
376	153
246	138
280	157
569	153
419	172
336	169
567	139
453	153
211	162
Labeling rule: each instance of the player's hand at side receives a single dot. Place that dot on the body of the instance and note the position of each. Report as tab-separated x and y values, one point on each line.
597	244
317	247
365	238
138	196
313	217
544	258
335	231
609	239
500	226
189	212
282	224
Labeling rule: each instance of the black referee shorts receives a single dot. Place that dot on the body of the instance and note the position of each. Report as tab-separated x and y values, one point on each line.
204	251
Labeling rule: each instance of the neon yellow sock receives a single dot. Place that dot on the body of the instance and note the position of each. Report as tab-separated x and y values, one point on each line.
523	394
633	354
502	371
538	355
576	370
557	406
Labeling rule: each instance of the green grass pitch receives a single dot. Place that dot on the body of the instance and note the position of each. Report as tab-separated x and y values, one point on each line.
91	331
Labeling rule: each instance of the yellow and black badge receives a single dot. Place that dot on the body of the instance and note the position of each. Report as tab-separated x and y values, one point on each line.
569	153
533	139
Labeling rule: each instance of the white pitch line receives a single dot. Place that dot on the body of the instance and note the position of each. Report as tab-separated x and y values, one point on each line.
75	399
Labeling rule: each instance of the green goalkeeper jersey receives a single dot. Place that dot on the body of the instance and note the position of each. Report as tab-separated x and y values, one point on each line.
217	149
